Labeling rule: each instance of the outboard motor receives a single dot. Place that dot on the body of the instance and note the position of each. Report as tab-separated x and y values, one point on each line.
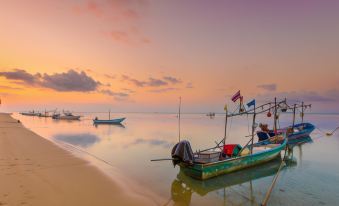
182	152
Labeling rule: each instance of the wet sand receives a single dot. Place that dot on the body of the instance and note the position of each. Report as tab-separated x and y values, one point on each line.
34	171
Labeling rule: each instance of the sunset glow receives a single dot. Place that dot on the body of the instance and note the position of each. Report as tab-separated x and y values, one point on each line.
142	55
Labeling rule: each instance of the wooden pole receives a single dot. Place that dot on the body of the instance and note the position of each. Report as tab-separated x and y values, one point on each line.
293	115
225	127
264	203
253	128
302	112
179	116
275	115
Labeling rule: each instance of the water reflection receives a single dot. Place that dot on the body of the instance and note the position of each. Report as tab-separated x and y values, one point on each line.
109	125
184	186
152	142
84	140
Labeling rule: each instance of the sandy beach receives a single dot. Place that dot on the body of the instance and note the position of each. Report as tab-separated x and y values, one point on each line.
34	171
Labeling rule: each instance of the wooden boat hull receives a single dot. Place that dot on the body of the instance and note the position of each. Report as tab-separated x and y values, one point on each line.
30	114
301	135
204	187
109	121
67	117
209	170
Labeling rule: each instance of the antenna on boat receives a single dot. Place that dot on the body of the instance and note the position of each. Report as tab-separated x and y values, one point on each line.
109	114
179	116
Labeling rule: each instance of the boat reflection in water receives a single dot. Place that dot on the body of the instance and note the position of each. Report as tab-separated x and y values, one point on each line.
109	125
184	186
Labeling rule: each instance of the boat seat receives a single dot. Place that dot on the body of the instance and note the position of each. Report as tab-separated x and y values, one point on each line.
263	136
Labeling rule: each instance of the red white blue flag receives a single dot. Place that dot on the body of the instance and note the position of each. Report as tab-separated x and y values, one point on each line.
236	96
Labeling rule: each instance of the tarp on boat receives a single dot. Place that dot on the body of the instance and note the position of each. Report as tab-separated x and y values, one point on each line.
182	152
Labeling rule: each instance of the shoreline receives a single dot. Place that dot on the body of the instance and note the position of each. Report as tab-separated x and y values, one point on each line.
35	171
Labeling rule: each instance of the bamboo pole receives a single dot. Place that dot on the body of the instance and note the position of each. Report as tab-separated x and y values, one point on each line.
294	106
267	196
275	115
302	112
225	127
253	128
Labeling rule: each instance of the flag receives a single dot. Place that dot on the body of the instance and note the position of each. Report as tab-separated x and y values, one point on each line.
251	103
236	96
225	108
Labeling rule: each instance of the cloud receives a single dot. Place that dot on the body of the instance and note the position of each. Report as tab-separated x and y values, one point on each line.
156	82
134	81
70	81
120	36
67	81
113	13
268	87
163	90
114	94
109	76
21	75
189	85
152	82
172	80
11	88
306	96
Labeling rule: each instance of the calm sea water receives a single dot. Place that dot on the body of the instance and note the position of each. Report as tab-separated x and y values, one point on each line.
311	176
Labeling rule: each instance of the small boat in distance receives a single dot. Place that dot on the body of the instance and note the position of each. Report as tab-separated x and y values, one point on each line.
210	114
66	116
109	120
31	113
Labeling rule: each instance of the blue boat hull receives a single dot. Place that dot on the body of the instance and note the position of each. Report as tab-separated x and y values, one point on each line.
296	137
108	121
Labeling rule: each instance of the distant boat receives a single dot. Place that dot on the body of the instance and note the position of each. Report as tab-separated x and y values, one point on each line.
210	114
30	113
109	120
46	114
66	116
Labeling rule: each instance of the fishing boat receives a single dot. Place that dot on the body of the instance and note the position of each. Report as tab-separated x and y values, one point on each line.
210	114
295	133
210	163
30	113
66	116
47	113
109	120
229	158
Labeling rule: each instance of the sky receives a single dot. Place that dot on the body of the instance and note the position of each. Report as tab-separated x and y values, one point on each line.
142	55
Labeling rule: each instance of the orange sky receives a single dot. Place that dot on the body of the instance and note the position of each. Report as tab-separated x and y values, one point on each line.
142	55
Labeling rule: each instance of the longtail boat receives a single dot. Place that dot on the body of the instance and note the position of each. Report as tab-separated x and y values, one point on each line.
262	152
109	120
209	163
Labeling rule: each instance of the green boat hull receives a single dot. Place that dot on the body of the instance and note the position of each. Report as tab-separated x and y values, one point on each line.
209	170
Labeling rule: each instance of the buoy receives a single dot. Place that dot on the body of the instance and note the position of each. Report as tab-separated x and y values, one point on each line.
269	114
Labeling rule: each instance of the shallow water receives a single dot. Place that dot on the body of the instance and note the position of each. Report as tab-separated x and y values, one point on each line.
311	176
